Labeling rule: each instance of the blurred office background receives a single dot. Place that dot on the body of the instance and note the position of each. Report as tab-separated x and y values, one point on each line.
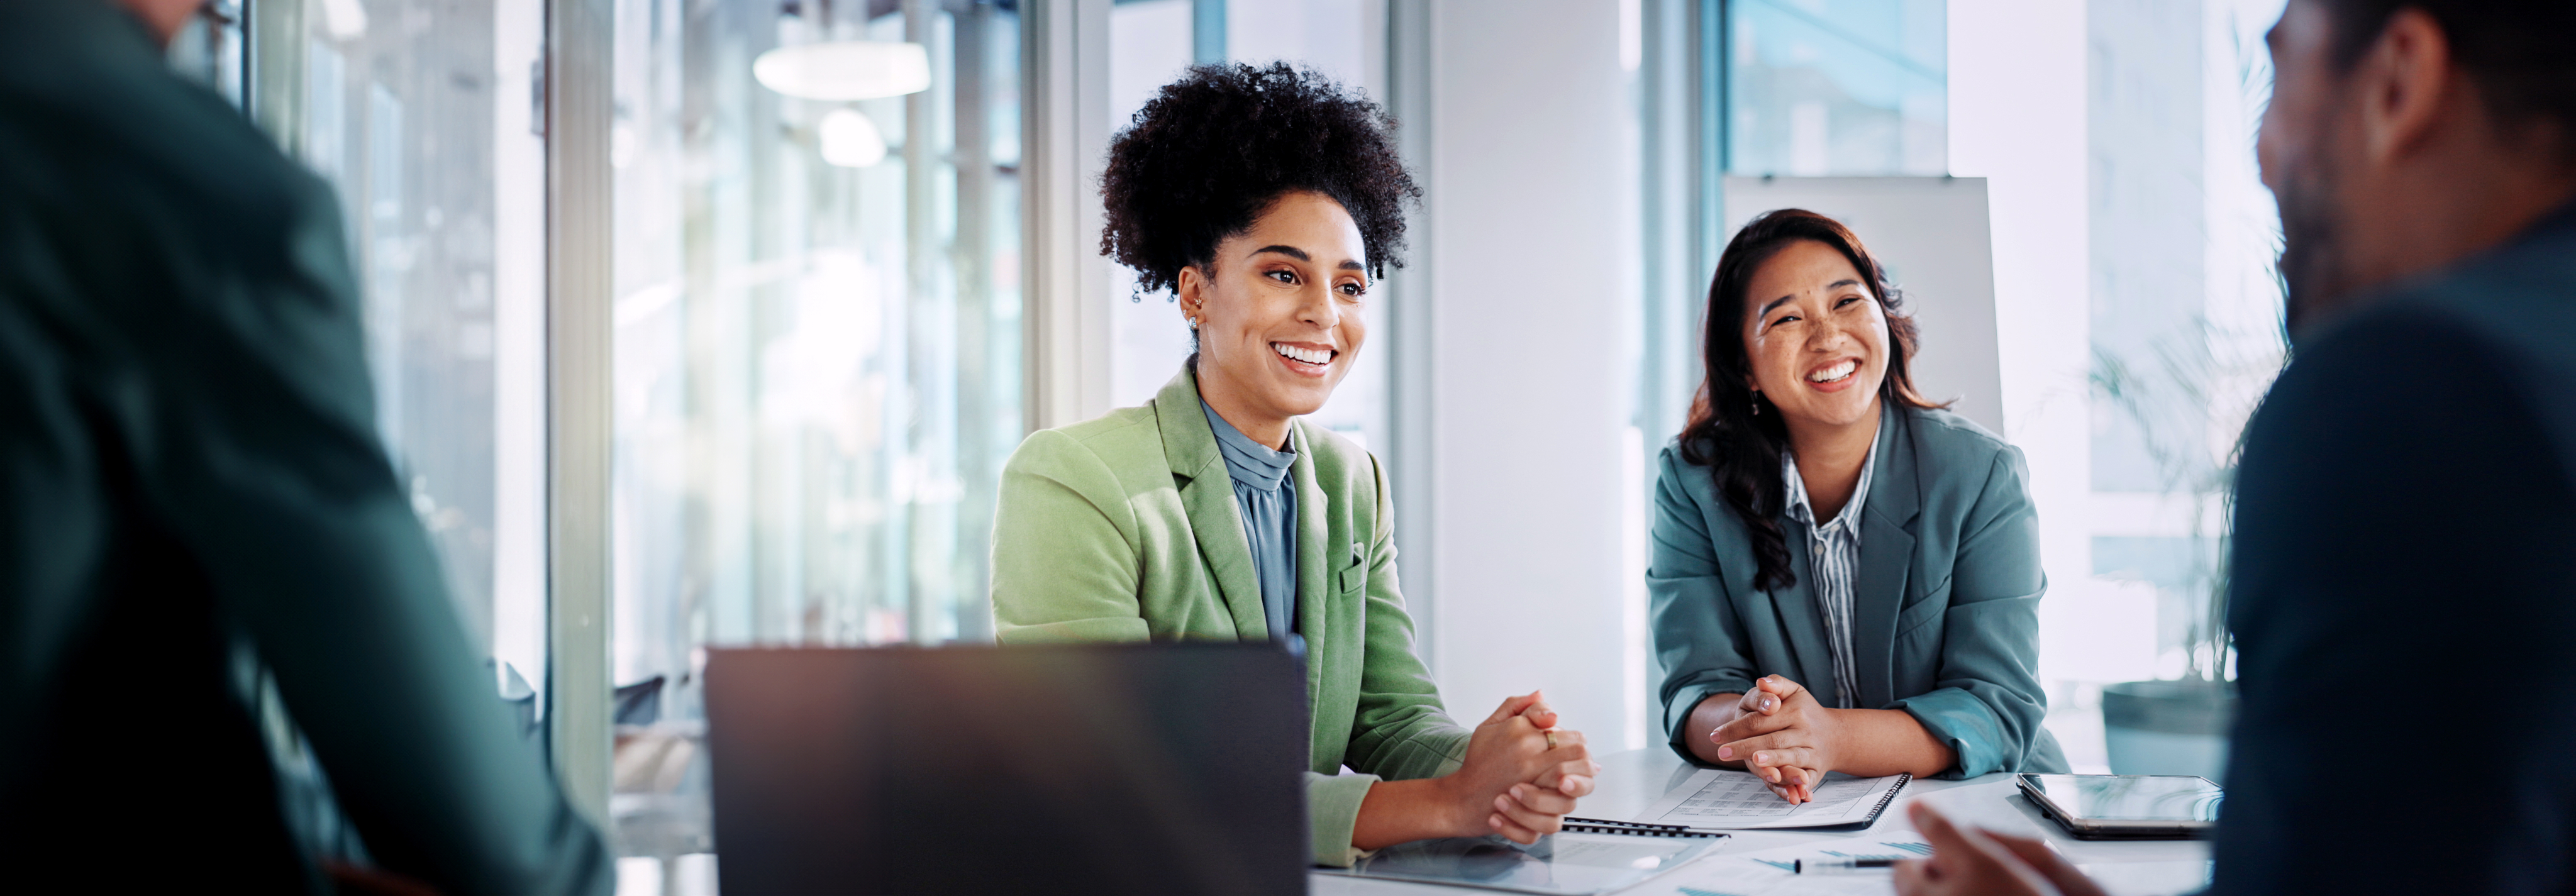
675	353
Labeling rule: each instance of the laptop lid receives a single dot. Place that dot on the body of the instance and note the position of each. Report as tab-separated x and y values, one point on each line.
1168	768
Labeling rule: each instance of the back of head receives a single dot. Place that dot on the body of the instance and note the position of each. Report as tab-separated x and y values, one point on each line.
2515	51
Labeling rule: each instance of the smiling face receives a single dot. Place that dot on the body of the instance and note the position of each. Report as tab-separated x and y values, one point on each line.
1279	313
1815	339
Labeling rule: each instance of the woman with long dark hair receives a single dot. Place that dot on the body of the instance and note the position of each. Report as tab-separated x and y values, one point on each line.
1269	201
1845	575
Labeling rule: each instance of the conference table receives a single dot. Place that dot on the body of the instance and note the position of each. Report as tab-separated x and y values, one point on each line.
1632	780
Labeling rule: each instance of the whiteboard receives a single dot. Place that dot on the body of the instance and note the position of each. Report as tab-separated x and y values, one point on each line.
1931	235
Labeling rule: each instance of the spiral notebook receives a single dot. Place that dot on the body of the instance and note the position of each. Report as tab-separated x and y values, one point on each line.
1721	800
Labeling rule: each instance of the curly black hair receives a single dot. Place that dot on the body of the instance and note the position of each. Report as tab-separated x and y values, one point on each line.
1212	150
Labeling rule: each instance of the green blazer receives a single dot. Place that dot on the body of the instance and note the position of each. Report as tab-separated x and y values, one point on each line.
1125	528
1945	602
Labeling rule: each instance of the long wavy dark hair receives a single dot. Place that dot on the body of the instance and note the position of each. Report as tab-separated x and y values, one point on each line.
1741	448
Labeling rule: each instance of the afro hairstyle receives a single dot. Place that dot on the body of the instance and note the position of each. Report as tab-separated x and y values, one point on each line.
1212	150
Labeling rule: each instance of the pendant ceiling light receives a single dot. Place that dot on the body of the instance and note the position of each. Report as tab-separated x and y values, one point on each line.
842	71
850	140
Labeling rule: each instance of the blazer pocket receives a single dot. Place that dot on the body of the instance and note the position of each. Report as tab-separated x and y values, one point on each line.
1353	578
1929	609
1939	592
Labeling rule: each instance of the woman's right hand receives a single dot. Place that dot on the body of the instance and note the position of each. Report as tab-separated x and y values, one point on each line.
1782	704
1513	780
1716	712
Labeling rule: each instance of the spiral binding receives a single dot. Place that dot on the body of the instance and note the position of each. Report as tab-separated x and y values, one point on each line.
1902	779
1634	828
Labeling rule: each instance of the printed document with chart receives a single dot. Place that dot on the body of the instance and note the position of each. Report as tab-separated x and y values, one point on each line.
1721	800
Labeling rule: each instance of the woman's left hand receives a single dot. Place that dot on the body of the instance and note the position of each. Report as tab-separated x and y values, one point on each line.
1785	737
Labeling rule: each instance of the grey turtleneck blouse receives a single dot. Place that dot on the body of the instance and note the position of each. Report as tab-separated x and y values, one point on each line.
1268	499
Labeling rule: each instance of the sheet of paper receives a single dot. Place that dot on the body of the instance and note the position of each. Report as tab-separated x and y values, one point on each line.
1721	800
1773	872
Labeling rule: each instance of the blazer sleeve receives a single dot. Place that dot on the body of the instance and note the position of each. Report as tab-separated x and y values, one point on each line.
1065	556
1401	732
1699	640
252	429
1987	703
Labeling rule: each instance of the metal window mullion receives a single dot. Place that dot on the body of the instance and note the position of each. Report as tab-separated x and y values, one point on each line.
578	410
1064	107
1411	464
1207	31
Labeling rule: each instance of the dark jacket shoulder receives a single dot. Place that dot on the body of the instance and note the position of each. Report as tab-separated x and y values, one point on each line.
2514	308
95	134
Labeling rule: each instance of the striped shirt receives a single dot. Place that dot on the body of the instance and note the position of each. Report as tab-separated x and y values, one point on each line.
1833	553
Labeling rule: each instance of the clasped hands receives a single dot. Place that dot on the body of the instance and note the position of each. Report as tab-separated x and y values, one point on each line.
1782	735
1522	774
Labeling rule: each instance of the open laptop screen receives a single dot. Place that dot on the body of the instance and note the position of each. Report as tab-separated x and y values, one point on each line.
1169	768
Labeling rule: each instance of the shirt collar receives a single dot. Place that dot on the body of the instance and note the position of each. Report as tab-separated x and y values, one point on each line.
1250	463
1802	511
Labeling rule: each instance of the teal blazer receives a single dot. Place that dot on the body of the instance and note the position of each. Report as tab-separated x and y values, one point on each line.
1945	602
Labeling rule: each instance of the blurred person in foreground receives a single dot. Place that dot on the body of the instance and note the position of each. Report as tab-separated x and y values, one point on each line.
191	487
2406	512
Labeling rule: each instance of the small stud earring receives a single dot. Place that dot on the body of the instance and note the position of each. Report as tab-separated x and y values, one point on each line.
1194	322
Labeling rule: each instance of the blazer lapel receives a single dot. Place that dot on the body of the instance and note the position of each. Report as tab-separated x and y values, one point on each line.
1803	623
1314	556
1207	495
1886	552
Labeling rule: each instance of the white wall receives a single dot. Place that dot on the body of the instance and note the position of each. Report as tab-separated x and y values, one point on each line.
1528	261
2017	118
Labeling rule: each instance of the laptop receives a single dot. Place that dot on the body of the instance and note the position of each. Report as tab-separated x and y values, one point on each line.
1166	768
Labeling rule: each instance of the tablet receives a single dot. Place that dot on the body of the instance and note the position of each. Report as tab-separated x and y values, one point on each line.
2126	807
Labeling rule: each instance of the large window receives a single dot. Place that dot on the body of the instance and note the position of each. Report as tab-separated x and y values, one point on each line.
817	371
422	117
2186	331
1836	87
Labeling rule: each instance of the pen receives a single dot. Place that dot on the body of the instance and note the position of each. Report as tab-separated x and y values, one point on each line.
1802	866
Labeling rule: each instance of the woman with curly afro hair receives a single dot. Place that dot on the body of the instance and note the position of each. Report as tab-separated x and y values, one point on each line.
1269	201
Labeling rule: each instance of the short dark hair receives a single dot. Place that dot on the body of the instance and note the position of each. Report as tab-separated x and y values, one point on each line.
2516	51
1740	445
1214	149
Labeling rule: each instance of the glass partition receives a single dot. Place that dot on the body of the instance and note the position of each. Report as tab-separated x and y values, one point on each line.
817	373
423	118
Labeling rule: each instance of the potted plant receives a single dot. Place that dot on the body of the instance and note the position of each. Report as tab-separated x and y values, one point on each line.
2179	725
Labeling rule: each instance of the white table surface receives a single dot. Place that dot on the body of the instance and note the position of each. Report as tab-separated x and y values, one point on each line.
1632	780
